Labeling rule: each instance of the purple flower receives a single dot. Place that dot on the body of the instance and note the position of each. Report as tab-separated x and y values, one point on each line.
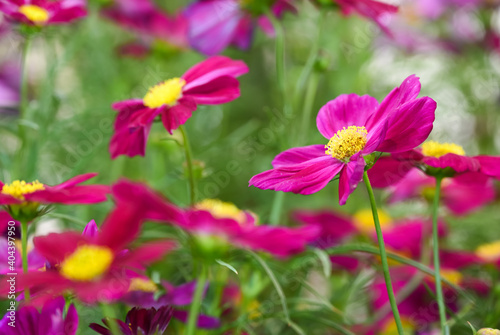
216	24
28	321
10	76
43	12
356	126
139	321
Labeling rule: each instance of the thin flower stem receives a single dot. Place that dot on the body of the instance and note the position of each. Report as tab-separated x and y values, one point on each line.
435	249
308	106
189	161
24	252
383	255
194	311
109	314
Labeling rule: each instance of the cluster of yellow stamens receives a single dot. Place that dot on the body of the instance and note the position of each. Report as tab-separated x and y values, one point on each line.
346	142
363	220
34	13
87	262
144	285
436	149
221	209
18	188
489	252
165	93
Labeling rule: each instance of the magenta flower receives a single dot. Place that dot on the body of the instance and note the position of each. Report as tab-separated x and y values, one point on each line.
227	22
211	82
43	12
461	195
376	11
93	267
356	126
139	321
51	320
151	23
23	199
214	232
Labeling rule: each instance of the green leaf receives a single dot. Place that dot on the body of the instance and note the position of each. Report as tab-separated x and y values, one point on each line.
229	266
325	261
474	331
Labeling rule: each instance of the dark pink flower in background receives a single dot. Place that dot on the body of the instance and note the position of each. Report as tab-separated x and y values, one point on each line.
216	24
139	321
211	82
150	22
94	267
43	12
461	195
356	126
10	81
377	11
53	319
221	232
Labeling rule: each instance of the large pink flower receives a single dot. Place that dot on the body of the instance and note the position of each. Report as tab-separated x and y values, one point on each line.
356	126
150	22
43	12
215	231
216	24
94	267
211	82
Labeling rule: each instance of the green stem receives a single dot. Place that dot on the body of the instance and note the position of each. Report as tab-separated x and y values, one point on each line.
109	314
24	251
308	106
383	255
189	161
435	249
194	311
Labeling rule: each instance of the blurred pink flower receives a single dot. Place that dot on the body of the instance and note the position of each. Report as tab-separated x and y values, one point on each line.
211	82
150	22
10	77
356	126
43	12
377	11
216	24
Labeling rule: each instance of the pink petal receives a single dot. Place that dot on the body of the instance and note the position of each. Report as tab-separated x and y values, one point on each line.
305	178
211	69
467	192
350	176
146	254
177	115
388	171
298	155
457	162
409	125
75	180
56	246
490	165
218	91
129	142
344	111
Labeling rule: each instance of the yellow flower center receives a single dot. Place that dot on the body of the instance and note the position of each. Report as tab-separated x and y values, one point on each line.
221	209
144	285
34	13
18	188
346	142
436	149
363	220
390	328
87	262
489	252
452	276
165	93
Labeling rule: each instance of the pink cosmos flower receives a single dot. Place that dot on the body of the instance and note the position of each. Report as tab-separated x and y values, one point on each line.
149	21
461	195
434	158
43	12
356	126
216	24
377	11
51	320
93	267
211	82
212	230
